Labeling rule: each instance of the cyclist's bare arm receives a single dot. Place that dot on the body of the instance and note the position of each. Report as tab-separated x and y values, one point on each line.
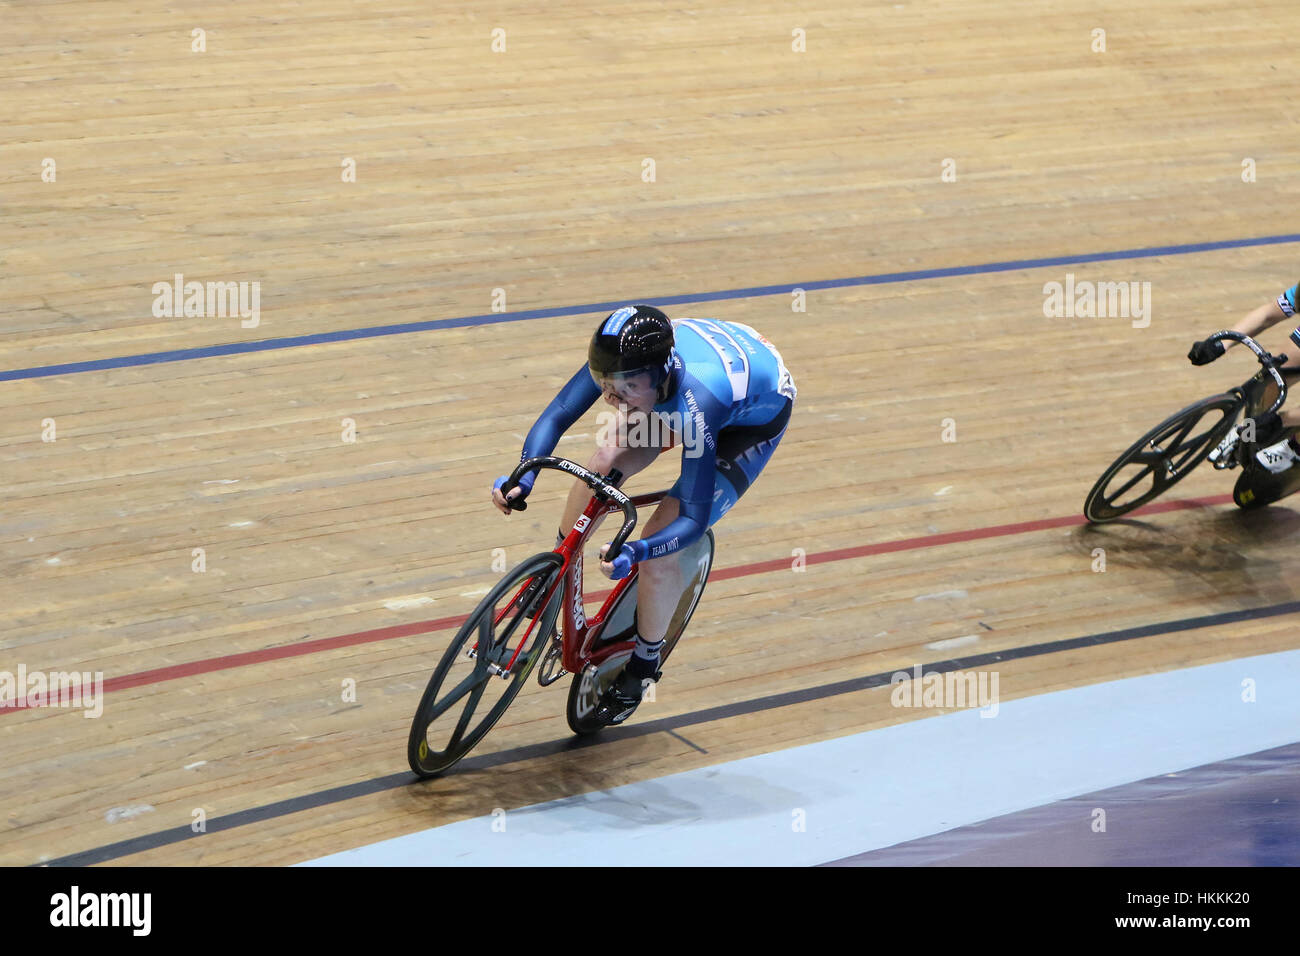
1257	321
1265	317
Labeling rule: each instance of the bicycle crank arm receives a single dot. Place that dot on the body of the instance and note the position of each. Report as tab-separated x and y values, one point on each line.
552	668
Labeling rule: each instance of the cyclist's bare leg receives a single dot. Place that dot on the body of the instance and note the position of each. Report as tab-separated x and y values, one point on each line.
609	455
659	582
627	460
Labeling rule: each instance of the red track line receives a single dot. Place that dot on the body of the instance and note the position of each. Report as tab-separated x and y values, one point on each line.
952	537
229	661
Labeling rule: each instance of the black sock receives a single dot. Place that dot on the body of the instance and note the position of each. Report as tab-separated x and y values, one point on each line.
645	658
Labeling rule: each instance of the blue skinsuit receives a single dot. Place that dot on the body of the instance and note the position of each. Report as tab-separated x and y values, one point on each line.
730	402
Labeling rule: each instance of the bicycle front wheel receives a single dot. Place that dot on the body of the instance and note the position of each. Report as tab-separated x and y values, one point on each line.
517	615
1161	458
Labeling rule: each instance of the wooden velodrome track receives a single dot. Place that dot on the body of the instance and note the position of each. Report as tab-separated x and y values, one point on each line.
522	170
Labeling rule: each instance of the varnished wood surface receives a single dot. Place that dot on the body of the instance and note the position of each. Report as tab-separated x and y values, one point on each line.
522	171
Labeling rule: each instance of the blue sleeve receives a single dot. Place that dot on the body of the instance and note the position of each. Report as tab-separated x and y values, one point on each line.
690	523
578	395
699	475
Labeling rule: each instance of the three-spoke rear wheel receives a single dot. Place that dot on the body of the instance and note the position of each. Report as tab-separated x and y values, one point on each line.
1161	458
513	622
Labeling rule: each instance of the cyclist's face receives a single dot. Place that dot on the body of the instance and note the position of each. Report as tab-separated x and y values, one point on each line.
635	391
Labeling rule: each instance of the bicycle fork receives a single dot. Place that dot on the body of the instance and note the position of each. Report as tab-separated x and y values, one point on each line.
526	597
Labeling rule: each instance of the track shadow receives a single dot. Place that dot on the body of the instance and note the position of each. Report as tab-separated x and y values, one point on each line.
1226	548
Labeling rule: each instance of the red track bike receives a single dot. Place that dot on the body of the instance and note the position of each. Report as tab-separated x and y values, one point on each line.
535	615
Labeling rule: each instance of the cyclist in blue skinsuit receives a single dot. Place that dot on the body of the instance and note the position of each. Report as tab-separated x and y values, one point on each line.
1278	451
726	397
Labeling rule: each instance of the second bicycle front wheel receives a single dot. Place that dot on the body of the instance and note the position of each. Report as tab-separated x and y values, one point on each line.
1161	458
518	615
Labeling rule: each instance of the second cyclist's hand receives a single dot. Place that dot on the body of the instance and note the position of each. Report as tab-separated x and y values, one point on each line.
1203	353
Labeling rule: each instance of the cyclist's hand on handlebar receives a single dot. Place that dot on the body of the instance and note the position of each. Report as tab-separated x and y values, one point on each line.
621	566
1203	353
516	494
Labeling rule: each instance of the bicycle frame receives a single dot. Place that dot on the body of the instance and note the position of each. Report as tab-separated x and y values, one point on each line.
579	632
1254	395
1271	364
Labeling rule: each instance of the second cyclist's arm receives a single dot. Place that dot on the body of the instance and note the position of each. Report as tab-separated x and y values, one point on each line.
1267	316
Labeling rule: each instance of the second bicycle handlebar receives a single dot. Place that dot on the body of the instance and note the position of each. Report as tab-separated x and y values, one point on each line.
600	484
1270	362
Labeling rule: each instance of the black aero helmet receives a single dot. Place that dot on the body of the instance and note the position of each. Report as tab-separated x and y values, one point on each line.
630	341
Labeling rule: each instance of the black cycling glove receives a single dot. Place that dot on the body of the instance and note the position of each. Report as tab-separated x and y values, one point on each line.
1203	353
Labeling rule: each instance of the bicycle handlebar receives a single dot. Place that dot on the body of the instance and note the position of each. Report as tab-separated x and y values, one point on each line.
1270	362
602	485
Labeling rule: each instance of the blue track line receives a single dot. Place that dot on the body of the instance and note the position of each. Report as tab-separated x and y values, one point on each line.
493	318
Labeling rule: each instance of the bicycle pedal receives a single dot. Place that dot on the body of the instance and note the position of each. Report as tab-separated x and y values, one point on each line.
1222	456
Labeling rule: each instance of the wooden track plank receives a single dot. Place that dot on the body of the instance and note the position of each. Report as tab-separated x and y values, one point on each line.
521	172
